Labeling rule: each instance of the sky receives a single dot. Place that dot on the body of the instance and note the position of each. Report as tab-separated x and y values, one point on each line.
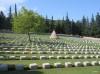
76	9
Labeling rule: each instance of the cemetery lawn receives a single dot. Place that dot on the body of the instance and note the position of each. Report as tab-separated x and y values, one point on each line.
74	70
43	43
40	62
26	63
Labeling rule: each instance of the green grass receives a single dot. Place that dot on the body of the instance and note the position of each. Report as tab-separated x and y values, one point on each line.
74	70
40	62
18	39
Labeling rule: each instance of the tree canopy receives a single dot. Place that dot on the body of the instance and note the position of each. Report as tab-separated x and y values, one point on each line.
27	21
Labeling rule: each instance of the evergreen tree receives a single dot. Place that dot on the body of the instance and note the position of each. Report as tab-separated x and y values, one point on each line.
79	27
84	27
93	26
73	27
9	19
88	27
47	25
15	10
67	25
10	13
97	25
58	27
62	26
3	21
51	24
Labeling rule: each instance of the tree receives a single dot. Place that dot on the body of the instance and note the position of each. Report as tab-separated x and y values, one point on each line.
73	27
97	25
79	27
47	25
92	26
84	27
88	26
67	25
9	19
15	10
3	21
51	24
28	21
58	27
62	26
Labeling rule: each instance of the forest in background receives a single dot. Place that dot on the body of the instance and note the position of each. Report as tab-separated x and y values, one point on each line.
83	27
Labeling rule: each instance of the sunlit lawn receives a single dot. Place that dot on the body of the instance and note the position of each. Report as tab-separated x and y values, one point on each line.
73	70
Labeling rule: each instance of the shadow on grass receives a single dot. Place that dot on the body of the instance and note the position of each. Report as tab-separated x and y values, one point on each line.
23	72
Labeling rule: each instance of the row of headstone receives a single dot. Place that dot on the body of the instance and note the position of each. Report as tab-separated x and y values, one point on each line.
51	57
20	67
49	52
46	49
52	48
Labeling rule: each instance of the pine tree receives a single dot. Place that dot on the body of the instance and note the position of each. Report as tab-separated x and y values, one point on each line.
67	25
62	26
15	10
58	27
84	27
52	24
73	27
10	13
9	19
93	26
97	25
79	27
88	26
47	25
3	21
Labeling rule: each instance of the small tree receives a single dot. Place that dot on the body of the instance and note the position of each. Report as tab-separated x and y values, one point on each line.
28	21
